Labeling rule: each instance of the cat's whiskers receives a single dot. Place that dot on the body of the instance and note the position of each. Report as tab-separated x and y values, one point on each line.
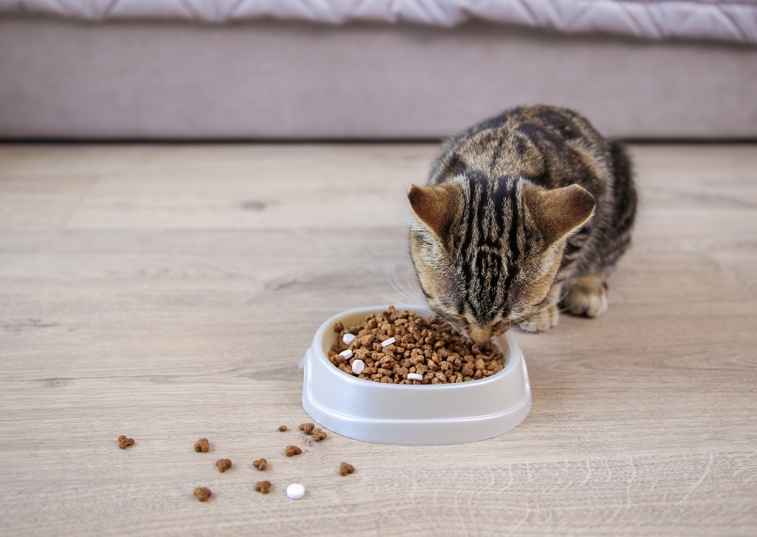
405	294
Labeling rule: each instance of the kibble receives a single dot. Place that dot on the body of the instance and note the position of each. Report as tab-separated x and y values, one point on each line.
223	465
260	464
345	469
307	428
295	491
203	493
124	442
400	347
264	487
202	445
292	450
319	435
282	428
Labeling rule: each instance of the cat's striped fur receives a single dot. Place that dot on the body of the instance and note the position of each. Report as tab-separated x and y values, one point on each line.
503	233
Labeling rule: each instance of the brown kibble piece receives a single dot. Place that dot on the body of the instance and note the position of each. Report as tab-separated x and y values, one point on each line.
319	435
307	428
282	428
203	493
264	487
292	450
202	445
260	464
223	465
345	469
124	442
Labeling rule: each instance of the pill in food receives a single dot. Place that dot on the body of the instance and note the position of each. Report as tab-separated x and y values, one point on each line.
295	491
414	376
348	338
347	354
388	342
358	366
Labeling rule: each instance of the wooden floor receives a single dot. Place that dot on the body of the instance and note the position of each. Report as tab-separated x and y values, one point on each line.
168	293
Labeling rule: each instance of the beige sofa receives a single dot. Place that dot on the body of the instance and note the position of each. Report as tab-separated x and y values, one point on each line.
168	77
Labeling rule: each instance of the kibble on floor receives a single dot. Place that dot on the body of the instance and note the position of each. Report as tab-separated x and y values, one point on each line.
203	493
292	450
264	487
124	442
223	465
345	469
307	428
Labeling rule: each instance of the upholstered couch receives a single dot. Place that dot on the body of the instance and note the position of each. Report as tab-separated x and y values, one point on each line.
371	69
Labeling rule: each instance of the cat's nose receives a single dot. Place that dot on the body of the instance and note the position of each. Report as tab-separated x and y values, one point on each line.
480	334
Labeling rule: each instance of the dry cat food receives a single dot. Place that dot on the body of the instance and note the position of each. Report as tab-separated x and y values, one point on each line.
223	465
282	428
307	428
202	445
124	442
292	450
264	487
260	464
319	435
203	493
345	469
397	347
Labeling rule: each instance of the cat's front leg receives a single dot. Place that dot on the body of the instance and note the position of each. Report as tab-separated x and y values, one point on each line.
542	321
587	296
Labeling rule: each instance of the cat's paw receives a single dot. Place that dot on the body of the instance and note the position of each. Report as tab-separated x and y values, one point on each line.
542	321
587	296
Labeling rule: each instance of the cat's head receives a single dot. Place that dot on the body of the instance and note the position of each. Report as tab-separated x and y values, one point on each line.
487	251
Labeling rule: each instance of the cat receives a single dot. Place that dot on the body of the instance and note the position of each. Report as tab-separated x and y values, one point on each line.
521	215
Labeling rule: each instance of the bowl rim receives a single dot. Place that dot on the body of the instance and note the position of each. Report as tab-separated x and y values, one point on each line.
504	339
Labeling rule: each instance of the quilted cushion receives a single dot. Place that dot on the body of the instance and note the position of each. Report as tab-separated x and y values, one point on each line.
734	20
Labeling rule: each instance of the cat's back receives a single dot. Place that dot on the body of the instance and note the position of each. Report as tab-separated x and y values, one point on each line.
547	145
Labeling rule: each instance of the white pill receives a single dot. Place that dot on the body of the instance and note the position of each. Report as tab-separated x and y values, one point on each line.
358	366
414	376
388	342
348	338
347	354
295	491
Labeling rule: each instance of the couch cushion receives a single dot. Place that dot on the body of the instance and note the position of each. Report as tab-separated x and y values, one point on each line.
734	20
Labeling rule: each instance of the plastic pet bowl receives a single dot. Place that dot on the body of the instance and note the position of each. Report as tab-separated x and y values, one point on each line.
412	414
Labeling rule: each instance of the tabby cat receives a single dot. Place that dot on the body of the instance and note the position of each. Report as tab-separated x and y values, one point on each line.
522	215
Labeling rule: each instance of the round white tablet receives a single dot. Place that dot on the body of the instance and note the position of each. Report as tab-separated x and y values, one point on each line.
347	354
348	338
414	376
358	366
295	491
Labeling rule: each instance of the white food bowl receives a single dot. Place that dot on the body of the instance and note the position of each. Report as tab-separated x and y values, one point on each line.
412	414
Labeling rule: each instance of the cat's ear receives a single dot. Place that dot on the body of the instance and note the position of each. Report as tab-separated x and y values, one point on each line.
556	213
436	207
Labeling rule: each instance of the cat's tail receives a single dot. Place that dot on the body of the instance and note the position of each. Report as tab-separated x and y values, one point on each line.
625	196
